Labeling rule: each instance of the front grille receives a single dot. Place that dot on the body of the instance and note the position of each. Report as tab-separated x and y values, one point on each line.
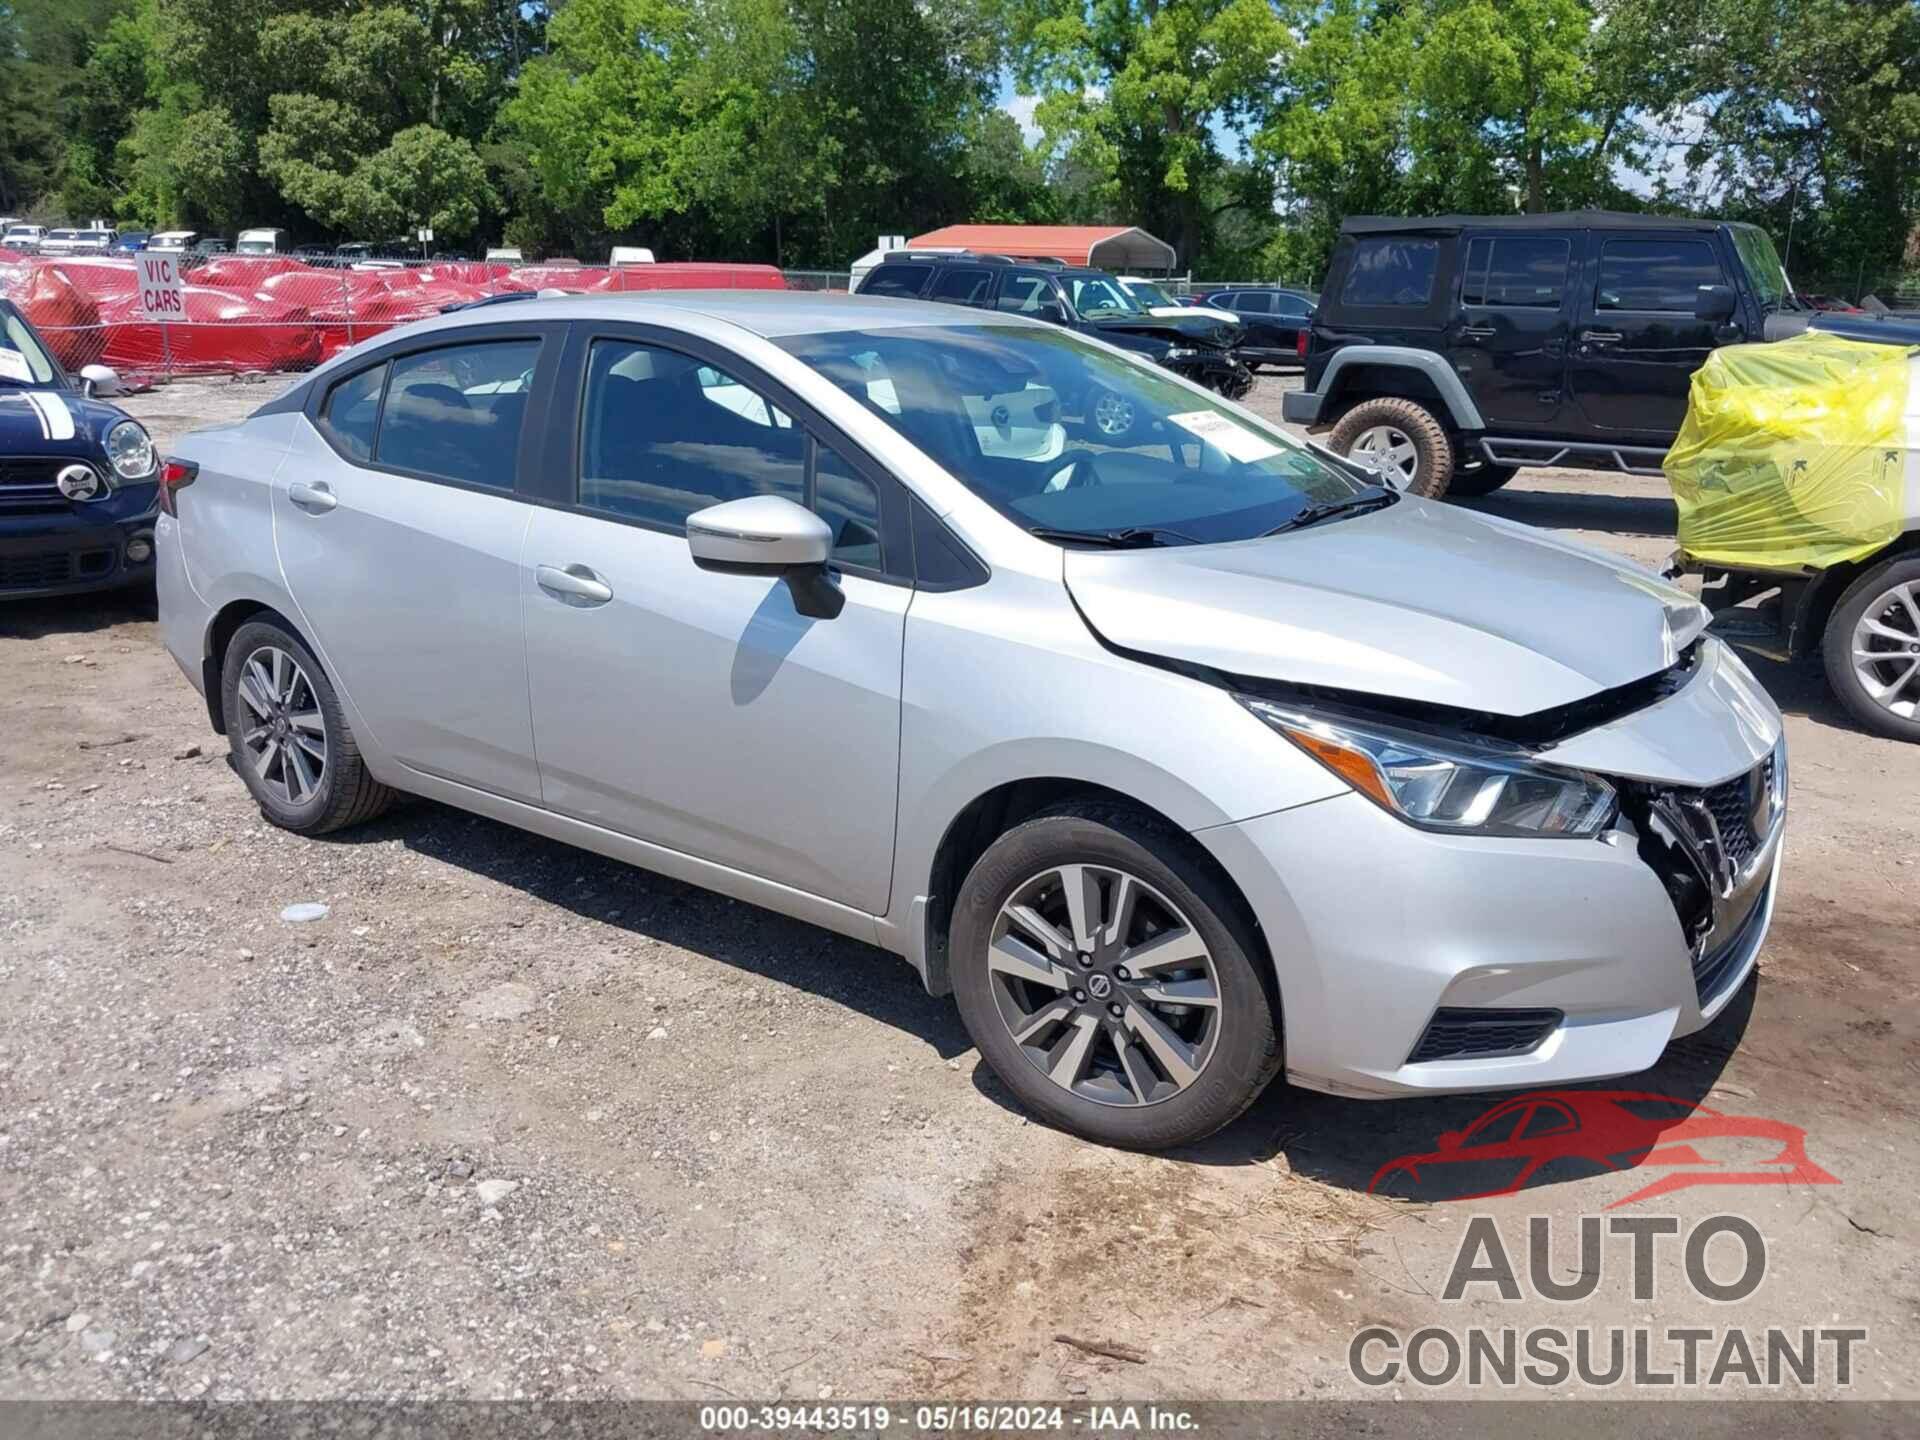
27	483
33	572
1462	1034
1732	807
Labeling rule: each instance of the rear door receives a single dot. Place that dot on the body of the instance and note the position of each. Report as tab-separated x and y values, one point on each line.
1637	343
1255	308
399	529
1510	340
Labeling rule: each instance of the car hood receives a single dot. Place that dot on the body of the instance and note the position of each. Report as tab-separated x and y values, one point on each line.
47	421
1168	332
1419	602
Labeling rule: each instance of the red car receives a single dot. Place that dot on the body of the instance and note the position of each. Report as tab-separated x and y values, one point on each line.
1611	1129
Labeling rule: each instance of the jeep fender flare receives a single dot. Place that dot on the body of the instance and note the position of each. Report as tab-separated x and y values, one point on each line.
1464	414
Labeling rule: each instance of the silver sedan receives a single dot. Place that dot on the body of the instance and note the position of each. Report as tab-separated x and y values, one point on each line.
1177	761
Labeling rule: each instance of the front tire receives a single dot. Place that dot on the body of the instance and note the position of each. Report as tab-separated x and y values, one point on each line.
1872	649
1403	439
289	736
1111	980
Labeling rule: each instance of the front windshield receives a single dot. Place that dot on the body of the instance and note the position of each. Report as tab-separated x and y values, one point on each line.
1148	294
1095	296
1060	436
1762	264
23	361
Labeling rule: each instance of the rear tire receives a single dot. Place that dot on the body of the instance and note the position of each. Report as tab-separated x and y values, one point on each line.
1482	479
1878	614
289	737
1138	1053
1407	435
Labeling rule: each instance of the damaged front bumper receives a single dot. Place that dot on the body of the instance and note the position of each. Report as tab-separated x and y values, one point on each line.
1412	962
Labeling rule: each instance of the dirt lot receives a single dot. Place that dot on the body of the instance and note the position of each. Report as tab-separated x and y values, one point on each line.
514	1120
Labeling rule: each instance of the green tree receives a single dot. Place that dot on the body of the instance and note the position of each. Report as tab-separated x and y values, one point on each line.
1139	94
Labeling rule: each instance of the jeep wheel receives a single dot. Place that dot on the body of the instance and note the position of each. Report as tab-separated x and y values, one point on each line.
1402	440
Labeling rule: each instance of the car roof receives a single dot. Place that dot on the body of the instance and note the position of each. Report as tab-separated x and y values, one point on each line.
771	314
1562	220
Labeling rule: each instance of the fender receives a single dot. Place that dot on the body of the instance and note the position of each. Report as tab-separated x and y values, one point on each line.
1304	407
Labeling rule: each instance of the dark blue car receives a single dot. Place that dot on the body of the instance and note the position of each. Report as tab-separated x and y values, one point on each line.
79	480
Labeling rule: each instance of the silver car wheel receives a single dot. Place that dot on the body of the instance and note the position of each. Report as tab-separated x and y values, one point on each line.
1886	650
283	730
1113	414
1389	450
1106	987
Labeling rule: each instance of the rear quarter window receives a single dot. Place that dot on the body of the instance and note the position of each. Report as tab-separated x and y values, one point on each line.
1390	271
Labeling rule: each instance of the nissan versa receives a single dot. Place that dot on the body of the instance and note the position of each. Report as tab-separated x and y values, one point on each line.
1174	761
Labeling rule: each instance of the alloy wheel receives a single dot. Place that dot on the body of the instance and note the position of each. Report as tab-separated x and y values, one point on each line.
283	732
1886	650
1106	987
1389	450
1113	414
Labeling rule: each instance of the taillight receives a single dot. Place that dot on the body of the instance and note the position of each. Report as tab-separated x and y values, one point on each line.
175	476
1300	343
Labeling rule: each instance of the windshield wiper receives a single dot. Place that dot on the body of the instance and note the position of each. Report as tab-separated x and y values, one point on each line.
1314	514
1135	537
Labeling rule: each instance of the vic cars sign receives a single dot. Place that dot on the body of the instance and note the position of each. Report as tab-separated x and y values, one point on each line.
161	295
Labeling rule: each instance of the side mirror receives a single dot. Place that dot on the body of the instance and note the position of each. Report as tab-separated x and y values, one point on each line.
100	380
1053	311
769	535
1716	304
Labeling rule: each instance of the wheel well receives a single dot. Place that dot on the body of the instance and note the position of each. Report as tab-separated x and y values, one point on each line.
1833	582
220	635
1358	383
993	814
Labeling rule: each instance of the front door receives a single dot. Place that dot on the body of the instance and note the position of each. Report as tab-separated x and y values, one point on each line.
1510	340
1637	342
399	535
700	711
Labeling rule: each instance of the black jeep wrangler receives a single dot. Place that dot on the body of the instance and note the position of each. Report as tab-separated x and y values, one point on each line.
1451	352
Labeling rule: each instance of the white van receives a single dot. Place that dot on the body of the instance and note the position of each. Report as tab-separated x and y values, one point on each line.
261	242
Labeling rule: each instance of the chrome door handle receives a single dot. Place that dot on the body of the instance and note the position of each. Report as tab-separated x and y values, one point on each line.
1484	332
575	584
318	496
1602	337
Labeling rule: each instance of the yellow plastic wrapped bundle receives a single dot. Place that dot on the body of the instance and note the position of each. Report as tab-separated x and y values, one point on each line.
1790	457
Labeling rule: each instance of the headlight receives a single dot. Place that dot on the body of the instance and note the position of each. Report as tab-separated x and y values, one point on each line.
1456	786
1180	352
130	449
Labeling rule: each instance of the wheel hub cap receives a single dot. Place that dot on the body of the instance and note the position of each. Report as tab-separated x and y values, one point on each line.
1105	985
1886	650
1390	451
282	730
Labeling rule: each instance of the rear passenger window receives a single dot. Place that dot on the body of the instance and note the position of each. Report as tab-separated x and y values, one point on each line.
962	284
455	413
1655	274
1255	303
1391	271
906	281
352	408
1518	272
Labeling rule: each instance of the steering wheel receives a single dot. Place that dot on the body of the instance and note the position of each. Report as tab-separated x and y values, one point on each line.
1079	464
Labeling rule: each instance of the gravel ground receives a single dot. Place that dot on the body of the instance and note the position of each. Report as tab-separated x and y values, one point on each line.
512	1120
